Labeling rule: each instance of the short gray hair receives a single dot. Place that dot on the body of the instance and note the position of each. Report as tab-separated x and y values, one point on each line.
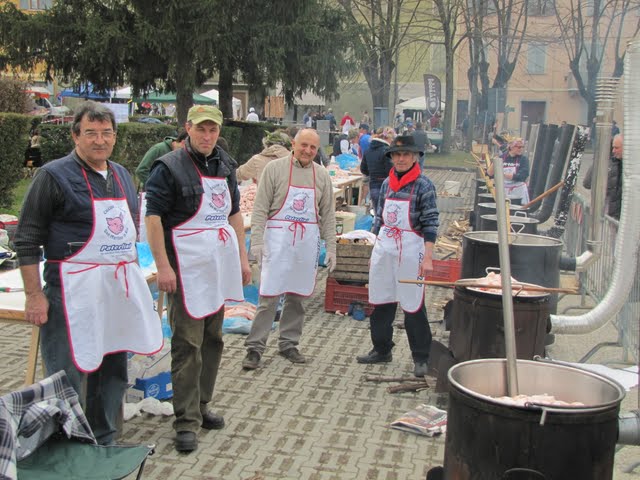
94	112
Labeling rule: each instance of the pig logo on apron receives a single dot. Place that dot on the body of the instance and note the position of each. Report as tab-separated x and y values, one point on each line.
299	203
391	216
218	199
115	220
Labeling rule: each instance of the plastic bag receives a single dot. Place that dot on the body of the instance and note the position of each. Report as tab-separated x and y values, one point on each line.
347	161
238	325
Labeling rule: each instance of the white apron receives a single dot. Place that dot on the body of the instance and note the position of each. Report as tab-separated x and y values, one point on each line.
207	252
142	209
515	189
107	302
397	255
292	244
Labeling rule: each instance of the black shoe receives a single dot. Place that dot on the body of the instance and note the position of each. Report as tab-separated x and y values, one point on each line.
186	441
212	421
251	361
374	357
293	355
420	369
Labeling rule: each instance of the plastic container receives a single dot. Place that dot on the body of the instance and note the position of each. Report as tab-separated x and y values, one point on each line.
347	220
452	187
446	270
340	297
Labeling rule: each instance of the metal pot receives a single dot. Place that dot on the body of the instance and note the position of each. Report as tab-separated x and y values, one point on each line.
488	439
534	258
489	208
519	223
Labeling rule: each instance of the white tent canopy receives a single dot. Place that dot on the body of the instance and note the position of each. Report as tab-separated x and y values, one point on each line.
126	93
417	103
213	94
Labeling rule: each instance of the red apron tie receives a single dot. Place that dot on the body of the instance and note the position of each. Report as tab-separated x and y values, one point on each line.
396	234
294	228
126	282
223	235
93	265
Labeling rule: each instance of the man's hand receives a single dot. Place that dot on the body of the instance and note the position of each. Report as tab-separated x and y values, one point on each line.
36	308
426	267
167	279
330	261
246	272
257	252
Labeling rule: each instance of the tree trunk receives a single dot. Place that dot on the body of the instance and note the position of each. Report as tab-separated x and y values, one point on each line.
225	92
185	84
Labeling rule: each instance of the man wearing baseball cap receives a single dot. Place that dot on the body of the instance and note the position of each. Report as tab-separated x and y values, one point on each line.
195	228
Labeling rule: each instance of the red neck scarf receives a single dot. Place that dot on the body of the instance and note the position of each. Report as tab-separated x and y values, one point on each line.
396	183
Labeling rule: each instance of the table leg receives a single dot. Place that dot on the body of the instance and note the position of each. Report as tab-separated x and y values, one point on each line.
32	359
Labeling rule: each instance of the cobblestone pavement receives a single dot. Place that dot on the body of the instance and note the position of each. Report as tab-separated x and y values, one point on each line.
317	421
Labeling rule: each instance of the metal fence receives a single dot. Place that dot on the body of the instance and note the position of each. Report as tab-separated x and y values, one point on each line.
595	281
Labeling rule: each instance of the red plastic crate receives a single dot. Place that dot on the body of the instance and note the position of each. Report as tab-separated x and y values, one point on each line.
446	270
339	296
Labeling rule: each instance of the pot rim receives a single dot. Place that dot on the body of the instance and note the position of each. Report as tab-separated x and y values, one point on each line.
537	407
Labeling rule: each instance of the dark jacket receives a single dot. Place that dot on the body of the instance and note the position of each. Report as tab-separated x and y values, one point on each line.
174	189
521	164
614	186
336	144
374	162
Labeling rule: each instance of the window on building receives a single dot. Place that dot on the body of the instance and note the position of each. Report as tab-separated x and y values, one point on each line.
35	4
536	58
541	8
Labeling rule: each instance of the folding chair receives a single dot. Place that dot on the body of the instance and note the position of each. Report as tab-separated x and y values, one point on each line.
44	435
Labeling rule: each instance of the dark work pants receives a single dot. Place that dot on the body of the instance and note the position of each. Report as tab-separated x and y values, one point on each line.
100	392
196	351
416	325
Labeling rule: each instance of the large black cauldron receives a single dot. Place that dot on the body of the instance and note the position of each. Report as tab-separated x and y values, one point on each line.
477	325
490	440
519	224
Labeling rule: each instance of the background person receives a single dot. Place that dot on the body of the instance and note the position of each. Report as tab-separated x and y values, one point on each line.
294	208
406	225
276	145
156	151
192	201
376	164
253	116
422	141
614	178
96	305
515	166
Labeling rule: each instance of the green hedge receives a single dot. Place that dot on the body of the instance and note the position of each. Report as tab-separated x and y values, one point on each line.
134	139
14	138
232	135
55	141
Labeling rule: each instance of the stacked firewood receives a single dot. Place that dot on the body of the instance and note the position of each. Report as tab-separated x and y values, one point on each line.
449	245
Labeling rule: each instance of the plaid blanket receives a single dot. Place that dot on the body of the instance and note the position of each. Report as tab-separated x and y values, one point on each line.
29	417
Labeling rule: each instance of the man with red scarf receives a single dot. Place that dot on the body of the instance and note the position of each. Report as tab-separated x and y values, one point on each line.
406	225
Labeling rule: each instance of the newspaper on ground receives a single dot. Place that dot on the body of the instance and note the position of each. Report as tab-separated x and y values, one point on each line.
424	420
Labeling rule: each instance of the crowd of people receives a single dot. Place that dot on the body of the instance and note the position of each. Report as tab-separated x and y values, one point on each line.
82	209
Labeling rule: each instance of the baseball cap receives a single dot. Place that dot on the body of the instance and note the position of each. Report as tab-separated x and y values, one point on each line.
202	113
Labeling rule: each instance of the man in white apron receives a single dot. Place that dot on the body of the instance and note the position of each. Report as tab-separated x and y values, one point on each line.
96	304
294	208
195	231
406	225
515	167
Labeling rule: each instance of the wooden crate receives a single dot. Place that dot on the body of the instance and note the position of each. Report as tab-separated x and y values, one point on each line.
353	262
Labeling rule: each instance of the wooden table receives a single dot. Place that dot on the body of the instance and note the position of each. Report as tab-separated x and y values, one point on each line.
346	186
12	311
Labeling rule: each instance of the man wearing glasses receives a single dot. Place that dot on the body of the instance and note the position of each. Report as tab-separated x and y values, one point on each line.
95	306
515	166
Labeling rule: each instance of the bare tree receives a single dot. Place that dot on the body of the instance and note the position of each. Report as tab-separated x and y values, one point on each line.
381	27
585	30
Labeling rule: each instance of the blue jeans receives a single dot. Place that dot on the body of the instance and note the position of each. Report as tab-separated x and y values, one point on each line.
101	392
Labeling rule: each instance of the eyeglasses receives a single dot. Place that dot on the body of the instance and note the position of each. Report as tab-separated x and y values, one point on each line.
93	135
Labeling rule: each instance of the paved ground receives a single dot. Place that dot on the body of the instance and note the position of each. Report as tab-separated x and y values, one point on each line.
317	421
